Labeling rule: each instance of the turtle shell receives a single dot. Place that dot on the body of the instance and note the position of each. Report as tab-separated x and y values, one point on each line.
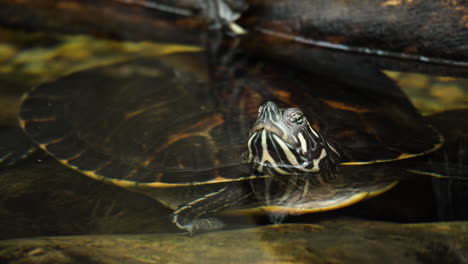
169	121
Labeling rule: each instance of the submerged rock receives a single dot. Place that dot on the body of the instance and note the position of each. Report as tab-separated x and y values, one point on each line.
338	241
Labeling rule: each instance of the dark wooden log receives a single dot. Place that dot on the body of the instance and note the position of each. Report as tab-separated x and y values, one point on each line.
117	19
424	30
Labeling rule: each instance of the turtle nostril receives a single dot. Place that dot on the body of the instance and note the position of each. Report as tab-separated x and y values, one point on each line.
270	105
269	111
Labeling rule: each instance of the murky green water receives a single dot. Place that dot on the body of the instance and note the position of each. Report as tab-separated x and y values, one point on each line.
39	197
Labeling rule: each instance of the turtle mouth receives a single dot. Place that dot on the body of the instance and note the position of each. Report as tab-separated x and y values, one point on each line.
274	129
270	118
268	127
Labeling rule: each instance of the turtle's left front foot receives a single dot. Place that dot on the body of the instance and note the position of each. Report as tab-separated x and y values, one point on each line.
199	214
197	225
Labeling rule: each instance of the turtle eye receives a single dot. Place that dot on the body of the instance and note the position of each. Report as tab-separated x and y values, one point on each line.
296	118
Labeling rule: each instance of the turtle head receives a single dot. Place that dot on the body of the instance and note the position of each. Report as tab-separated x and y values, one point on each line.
282	142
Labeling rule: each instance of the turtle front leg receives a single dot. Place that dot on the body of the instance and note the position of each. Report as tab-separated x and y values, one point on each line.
199	214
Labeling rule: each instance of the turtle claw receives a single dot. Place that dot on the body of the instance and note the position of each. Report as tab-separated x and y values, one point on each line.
198	225
198	215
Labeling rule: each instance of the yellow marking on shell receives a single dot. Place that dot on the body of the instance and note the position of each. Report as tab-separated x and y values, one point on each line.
132	184
77	155
132	172
436	175
24	96
342	106
395	2
386	188
41	120
201	129
132	114
126	183
22	123
400	157
298	211
54	141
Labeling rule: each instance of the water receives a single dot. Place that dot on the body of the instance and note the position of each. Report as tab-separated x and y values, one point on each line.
40	197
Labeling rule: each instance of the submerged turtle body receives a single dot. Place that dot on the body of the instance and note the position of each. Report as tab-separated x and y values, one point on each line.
198	142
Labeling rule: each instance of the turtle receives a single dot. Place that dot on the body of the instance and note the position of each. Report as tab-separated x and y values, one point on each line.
249	136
